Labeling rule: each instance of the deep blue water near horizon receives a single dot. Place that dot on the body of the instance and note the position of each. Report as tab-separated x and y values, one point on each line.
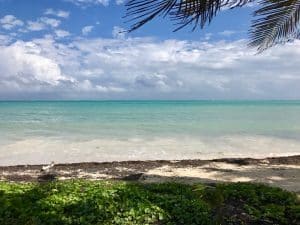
202	124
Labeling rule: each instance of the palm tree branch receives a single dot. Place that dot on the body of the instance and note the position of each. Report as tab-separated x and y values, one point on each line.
278	22
183	12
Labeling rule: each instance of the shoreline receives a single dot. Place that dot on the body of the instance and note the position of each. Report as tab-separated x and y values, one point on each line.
288	159
41	150
282	172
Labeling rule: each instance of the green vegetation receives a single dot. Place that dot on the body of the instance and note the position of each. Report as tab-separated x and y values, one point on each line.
103	202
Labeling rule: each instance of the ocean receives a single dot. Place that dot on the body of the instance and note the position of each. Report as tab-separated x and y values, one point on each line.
36	132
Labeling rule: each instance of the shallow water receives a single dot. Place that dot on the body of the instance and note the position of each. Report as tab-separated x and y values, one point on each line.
39	132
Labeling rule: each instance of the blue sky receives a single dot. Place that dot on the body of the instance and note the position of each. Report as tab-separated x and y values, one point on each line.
73	49
104	16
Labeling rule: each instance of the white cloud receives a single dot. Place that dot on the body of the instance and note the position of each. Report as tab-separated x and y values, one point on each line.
57	13
50	21
89	2
207	36
120	2
147	68
4	39
156	81
35	25
86	30
62	33
227	33
9	22
25	69
118	32
42	24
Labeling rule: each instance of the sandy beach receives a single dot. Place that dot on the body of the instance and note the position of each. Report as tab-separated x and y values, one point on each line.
282	172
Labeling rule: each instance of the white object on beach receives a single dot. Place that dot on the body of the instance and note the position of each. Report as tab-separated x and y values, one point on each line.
48	168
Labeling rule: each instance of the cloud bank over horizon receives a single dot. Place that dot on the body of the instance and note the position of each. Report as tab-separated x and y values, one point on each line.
56	63
138	68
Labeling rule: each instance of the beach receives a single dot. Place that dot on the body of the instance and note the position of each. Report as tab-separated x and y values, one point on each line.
283	172
110	115
153	141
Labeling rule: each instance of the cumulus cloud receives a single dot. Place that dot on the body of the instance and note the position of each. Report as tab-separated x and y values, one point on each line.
227	33
62	33
9	22
4	39
89	2
148	68
25	69
50	21
35	25
120	2
42	24
118	32
157	82
57	13
86	30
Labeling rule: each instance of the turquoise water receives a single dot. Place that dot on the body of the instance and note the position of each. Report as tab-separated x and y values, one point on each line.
144	121
148	118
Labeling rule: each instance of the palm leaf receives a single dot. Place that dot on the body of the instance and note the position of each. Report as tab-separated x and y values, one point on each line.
182	12
278	23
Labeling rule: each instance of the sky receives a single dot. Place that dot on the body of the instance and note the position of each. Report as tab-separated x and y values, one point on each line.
77	49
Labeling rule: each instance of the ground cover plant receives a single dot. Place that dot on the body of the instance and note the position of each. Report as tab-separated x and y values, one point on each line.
104	202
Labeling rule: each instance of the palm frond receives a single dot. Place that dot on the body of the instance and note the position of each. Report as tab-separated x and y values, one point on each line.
278	23
182	12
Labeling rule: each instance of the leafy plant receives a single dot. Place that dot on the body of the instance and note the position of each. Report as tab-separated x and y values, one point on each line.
102	202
